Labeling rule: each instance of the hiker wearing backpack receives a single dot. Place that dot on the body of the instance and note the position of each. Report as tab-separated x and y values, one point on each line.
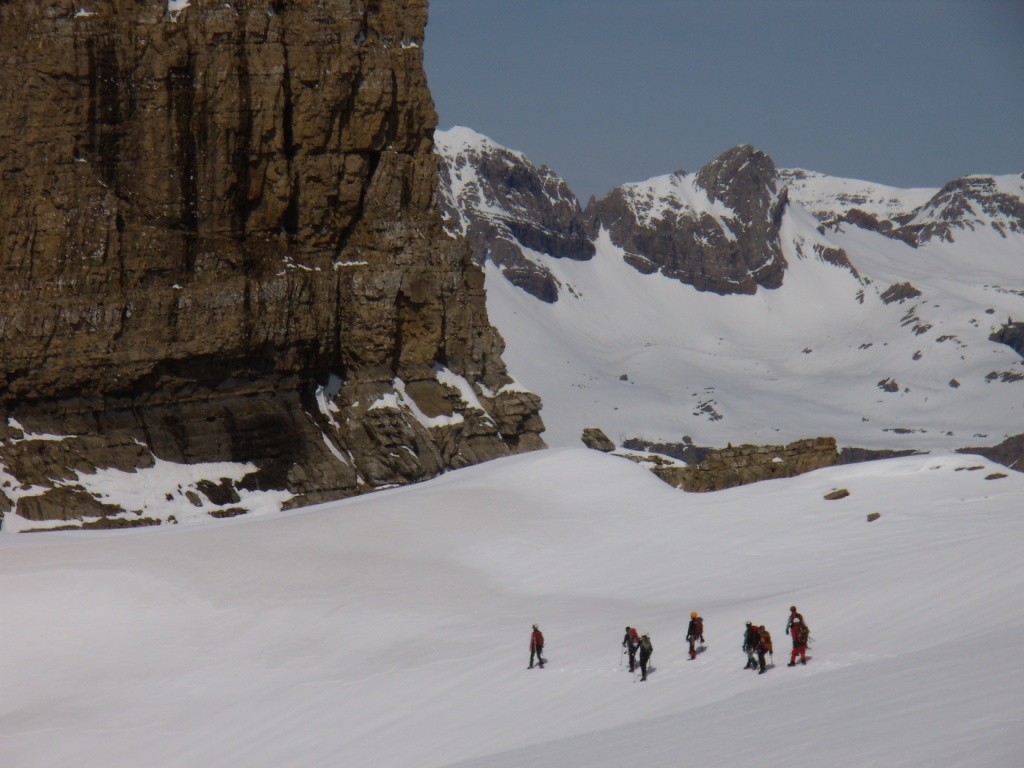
695	632
750	640
764	645
800	633
631	642
646	649
536	646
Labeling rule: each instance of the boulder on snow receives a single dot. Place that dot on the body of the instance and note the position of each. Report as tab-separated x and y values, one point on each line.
594	438
841	493
872	516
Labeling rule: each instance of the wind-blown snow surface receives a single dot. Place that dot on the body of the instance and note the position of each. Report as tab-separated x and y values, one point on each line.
392	629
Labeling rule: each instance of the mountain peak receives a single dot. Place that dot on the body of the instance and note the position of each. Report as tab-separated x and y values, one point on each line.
739	175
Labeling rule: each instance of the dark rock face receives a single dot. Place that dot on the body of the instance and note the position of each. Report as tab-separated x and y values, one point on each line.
1009	453
219	242
505	205
727	242
852	455
899	292
1012	335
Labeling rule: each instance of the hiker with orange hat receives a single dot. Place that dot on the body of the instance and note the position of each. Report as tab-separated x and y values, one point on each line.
694	633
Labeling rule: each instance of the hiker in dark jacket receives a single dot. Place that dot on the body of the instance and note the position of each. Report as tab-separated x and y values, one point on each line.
695	632
536	647
750	639
631	642
646	649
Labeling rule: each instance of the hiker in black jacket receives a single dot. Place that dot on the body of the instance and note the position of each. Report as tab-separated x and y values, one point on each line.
750	641
631	642
694	633
646	649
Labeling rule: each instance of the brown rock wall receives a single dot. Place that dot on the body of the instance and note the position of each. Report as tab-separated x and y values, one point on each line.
205	216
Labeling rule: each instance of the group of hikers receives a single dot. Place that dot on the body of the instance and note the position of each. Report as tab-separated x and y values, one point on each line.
757	643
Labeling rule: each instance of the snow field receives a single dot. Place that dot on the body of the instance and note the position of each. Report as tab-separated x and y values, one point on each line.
393	629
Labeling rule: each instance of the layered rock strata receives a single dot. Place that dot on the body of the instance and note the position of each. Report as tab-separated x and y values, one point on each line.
219	244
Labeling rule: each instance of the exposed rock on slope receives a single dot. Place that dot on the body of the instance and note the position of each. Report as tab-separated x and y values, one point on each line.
219	243
970	203
730	467
507	207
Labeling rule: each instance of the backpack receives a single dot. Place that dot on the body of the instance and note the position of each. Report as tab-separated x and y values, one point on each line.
645	646
802	634
765	640
698	625
750	637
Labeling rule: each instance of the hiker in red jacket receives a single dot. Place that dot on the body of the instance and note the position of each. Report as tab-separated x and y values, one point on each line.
797	628
536	647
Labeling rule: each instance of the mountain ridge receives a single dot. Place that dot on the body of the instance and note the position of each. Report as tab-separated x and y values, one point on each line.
891	327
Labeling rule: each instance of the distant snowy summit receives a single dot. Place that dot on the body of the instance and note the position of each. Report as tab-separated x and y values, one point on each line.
717	230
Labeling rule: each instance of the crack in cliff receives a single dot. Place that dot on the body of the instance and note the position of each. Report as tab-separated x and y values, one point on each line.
181	99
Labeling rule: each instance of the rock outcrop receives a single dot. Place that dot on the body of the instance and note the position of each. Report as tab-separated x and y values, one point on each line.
717	230
595	439
219	243
730	467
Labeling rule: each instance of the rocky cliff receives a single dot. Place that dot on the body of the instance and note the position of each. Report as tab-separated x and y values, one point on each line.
219	248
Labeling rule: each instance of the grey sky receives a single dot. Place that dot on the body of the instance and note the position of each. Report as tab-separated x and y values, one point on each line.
911	93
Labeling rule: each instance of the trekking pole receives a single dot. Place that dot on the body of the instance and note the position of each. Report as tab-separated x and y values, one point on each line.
621	656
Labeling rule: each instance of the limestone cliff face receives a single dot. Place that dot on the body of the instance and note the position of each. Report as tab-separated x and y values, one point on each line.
219	243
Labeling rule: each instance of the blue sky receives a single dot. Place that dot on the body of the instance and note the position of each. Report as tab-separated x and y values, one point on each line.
911	93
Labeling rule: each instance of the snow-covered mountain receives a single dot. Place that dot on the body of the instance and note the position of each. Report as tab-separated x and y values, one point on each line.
746	304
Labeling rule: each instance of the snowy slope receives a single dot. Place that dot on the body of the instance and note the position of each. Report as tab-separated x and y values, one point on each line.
828	196
392	629
655	359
